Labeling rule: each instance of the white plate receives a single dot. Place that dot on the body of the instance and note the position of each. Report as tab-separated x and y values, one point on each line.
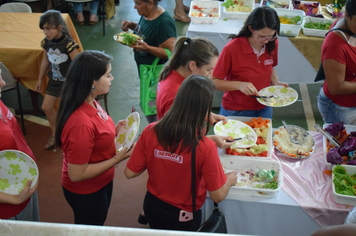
16	168
127	134
286	96
237	129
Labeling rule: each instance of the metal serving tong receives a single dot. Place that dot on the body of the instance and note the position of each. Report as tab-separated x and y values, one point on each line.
293	138
235	139
327	135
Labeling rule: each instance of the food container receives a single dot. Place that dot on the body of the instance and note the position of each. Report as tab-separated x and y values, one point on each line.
288	29
207	7
243	165
315	32
239	14
278	4
307	11
269	140
349	128
340	198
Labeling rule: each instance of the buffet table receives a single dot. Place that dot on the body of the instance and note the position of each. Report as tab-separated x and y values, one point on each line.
20	49
303	205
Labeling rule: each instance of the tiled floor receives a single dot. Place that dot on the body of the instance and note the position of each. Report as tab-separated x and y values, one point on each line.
128	194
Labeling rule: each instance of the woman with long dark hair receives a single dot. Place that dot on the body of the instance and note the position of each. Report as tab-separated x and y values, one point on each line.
165	148
246	65
86	135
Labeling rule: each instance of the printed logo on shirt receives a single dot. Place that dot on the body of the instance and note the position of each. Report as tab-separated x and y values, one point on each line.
269	62
9	115
169	156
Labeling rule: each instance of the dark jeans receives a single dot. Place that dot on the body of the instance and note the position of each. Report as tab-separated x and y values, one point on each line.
90	209
161	215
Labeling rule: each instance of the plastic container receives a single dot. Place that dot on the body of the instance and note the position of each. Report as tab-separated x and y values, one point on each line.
315	32
349	128
340	198
292	7
243	165
288	29
269	140
208	6
285	3
239	15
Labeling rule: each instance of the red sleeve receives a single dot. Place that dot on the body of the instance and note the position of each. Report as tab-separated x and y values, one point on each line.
212	171
79	143
223	66
137	161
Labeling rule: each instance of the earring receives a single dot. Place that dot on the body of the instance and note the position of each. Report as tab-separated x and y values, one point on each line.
92	88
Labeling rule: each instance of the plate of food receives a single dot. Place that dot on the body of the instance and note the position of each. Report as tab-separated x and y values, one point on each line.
127	134
277	96
127	38
16	168
301	150
237	130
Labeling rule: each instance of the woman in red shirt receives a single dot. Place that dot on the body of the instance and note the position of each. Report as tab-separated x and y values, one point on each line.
86	135
164	149
246	65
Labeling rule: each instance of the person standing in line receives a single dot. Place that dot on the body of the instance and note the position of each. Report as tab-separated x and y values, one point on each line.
60	51
86	134
22	206
165	150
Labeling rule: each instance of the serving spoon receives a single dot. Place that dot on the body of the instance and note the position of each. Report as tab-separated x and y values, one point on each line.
293	138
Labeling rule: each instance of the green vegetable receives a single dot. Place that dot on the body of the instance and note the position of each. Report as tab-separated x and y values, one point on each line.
295	20
320	26
129	39
225	19
228	3
344	183
270	185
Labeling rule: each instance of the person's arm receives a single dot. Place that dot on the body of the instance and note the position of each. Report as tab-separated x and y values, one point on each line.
214	118
275	79
336	230
73	53
225	86
220	194
126	25
43	69
130	174
335	78
88	171
25	194
156	51
220	141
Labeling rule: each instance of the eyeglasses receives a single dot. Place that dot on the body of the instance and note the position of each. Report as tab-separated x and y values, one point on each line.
269	38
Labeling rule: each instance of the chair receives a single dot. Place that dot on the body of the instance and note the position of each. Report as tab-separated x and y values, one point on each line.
12	83
15	7
101	4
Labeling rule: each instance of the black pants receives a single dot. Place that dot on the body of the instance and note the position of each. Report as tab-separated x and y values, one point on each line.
90	209
161	215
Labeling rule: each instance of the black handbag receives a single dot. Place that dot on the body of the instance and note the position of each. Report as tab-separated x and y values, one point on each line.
216	222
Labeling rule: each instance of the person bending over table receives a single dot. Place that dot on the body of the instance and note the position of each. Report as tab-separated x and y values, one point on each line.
165	149
190	56
86	135
158	31
22	206
337	97
246	65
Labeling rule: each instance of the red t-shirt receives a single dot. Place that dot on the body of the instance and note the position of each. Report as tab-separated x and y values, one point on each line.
170	174
238	62
335	47
166	92
88	138
11	138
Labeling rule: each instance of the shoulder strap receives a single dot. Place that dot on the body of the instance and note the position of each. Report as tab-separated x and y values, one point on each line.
349	32
155	62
